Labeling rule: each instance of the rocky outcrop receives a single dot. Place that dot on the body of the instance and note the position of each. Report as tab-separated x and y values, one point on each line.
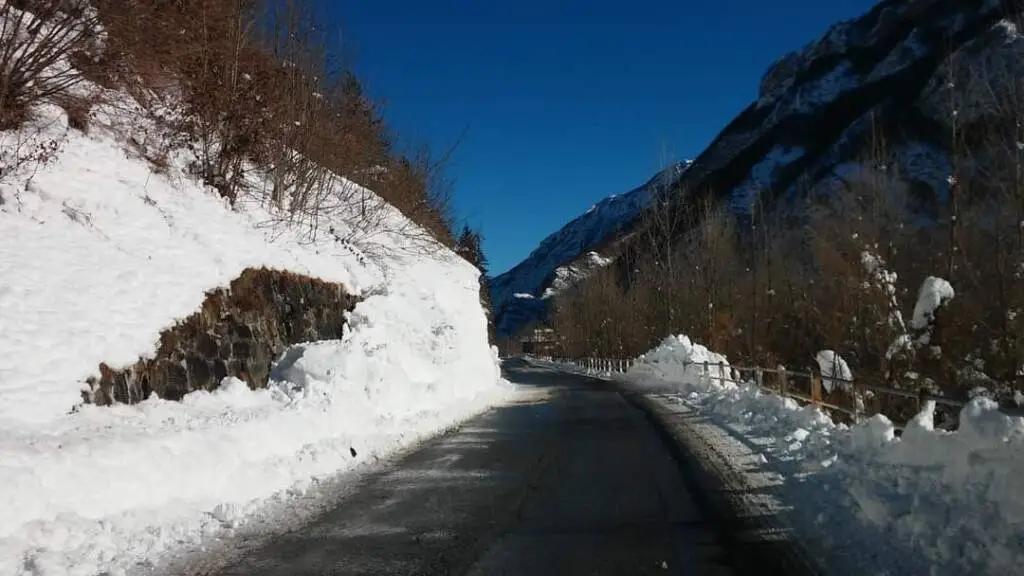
238	331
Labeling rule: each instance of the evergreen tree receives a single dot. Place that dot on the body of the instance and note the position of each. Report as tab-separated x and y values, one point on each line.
469	246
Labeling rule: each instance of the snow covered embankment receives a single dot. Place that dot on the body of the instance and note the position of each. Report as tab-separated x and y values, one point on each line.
97	256
861	499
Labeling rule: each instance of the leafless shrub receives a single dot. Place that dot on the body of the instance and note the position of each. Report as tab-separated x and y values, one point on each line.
23	152
36	41
78	108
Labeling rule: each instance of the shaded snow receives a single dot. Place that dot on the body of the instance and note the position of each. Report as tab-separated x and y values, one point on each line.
976	79
924	163
815	93
902	56
761	177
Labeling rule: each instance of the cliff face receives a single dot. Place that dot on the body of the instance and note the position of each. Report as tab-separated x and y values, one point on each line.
902	71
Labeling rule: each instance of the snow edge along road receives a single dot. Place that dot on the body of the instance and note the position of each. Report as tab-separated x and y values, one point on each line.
758	540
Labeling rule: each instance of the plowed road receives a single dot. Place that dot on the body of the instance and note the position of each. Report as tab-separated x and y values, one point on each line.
573	481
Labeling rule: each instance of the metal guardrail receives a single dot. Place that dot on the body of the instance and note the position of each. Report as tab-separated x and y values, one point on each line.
606	365
846	399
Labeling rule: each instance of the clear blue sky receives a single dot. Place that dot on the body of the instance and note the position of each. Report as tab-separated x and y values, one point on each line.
564	103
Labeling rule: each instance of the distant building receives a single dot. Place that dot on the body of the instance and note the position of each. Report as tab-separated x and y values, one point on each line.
540	341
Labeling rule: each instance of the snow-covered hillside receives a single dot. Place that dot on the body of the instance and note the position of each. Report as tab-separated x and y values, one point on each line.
563	258
98	255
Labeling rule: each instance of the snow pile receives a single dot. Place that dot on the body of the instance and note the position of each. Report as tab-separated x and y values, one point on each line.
97	256
953	497
929	502
835	372
677	359
934	293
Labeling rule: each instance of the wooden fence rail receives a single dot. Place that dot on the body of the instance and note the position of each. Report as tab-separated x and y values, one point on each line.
849	400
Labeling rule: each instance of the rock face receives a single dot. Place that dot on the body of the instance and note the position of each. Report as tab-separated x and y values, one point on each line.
904	72
884	74
238	332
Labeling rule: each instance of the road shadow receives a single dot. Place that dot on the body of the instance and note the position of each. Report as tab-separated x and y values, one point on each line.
428	514
569	480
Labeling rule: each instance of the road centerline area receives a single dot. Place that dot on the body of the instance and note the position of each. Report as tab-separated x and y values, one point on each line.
571	480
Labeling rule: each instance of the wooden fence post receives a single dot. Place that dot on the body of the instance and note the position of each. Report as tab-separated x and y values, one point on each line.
759	378
815	387
856	403
783	383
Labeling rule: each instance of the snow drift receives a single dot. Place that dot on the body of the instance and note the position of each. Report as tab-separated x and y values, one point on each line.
928	502
97	256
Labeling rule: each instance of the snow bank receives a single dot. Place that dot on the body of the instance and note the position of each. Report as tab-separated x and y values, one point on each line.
97	256
929	502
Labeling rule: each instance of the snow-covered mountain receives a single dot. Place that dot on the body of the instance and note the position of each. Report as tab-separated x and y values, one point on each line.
892	73
520	295
904	72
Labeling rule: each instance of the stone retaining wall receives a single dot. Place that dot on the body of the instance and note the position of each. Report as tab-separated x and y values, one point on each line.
238	332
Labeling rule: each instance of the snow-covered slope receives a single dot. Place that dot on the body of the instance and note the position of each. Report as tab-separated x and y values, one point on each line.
97	256
564	257
891	71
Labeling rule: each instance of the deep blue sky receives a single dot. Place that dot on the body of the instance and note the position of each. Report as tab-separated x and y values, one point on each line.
564	103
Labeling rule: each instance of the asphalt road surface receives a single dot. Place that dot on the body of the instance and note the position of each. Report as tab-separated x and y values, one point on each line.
574	480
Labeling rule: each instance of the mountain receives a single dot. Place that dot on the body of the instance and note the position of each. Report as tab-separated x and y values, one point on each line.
892	74
520	295
914	74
